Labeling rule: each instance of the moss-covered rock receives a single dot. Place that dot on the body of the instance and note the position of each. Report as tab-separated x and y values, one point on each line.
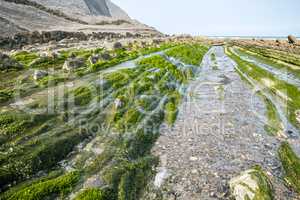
92	194
291	165
6	95
25	57
82	96
189	54
51	188
7	63
252	184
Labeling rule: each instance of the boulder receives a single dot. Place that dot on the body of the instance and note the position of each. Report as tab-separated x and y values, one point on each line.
251	184
292	39
73	63
118	45
6	63
94	58
105	56
39	74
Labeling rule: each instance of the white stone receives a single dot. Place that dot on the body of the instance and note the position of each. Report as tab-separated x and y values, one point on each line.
193	158
118	103
243	186
298	115
160	177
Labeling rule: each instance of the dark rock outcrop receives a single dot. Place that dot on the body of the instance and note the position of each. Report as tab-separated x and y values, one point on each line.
118	45
27	38
292	39
94	59
7	63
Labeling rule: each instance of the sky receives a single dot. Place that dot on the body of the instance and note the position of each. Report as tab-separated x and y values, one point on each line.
218	17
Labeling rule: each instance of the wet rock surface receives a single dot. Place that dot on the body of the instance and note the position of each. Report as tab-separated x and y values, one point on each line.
218	134
39	74
73	63
6	63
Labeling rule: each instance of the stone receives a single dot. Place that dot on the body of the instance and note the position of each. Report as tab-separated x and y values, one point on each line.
94	59
39	74
53	55
193	158
118	103
118	45
73	63
160	177
44	54
297	113
94	181
105	56
292	39
7	63
250	184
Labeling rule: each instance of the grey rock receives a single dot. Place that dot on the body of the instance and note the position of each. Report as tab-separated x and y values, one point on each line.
118	45
7	63
94	59
73	63
105	56
39	74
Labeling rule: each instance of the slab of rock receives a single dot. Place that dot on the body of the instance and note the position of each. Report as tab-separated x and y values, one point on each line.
251	184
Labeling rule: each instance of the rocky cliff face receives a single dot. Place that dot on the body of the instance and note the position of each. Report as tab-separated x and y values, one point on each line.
116	11
98	7
104	8
73	15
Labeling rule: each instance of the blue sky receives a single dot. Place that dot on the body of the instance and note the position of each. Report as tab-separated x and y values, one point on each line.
218	17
